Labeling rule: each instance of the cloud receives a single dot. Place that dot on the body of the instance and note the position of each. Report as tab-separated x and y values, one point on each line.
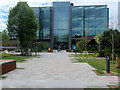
6	4
2	26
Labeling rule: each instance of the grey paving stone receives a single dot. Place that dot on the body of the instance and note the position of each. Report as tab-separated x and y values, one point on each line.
55	70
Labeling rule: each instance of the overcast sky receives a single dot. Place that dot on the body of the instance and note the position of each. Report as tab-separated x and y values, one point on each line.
6	4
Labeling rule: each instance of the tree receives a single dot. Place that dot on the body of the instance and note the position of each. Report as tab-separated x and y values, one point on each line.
40	46
45	46
85	42
80	45
0	41
98	40
22	25
110	39
15	43
5	38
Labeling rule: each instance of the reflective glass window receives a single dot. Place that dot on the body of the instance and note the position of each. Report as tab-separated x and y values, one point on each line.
45	22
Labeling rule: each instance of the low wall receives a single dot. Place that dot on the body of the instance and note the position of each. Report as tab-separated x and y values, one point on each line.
7	65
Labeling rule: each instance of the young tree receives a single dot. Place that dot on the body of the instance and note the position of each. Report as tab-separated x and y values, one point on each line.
22	25
85	38
85	42
80	45
98	40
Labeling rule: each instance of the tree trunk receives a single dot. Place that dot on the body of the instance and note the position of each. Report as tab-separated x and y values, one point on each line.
113	53
113	48
99	47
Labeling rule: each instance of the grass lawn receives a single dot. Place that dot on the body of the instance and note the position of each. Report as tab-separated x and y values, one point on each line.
3	77
19	58
44	50
114	86
99	64
82	55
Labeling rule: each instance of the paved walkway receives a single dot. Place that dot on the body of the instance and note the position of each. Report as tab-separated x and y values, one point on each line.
55	70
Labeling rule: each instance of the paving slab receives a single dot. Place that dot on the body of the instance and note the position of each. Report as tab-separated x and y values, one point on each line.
55	70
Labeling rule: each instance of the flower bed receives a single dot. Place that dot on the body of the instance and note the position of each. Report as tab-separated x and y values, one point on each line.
50	51
68	50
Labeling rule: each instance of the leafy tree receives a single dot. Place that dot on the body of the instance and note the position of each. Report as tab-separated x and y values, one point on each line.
0	41
15	43
22	25
5	38
106	39
110	39
98	40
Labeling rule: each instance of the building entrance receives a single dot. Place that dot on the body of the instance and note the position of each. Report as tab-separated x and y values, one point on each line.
61	46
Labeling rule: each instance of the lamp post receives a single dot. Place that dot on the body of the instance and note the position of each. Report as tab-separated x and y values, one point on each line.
107	64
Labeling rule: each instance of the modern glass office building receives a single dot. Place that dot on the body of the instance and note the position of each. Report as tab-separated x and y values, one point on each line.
63	23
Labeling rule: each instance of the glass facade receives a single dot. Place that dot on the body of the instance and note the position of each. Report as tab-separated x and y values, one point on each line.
101	15
61	23
89	20
77	21
64	22
43	17
36	12
45	23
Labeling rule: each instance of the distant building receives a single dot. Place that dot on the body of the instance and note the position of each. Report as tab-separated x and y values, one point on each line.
62	24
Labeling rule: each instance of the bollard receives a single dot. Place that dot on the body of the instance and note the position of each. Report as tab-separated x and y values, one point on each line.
108	64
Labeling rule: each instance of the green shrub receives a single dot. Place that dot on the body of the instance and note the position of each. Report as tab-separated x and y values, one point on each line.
117	52
40	46
85	51
79	50
92	47
97	54
44	50
118	55
80	46
45	46
105	52
32	50
90	51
